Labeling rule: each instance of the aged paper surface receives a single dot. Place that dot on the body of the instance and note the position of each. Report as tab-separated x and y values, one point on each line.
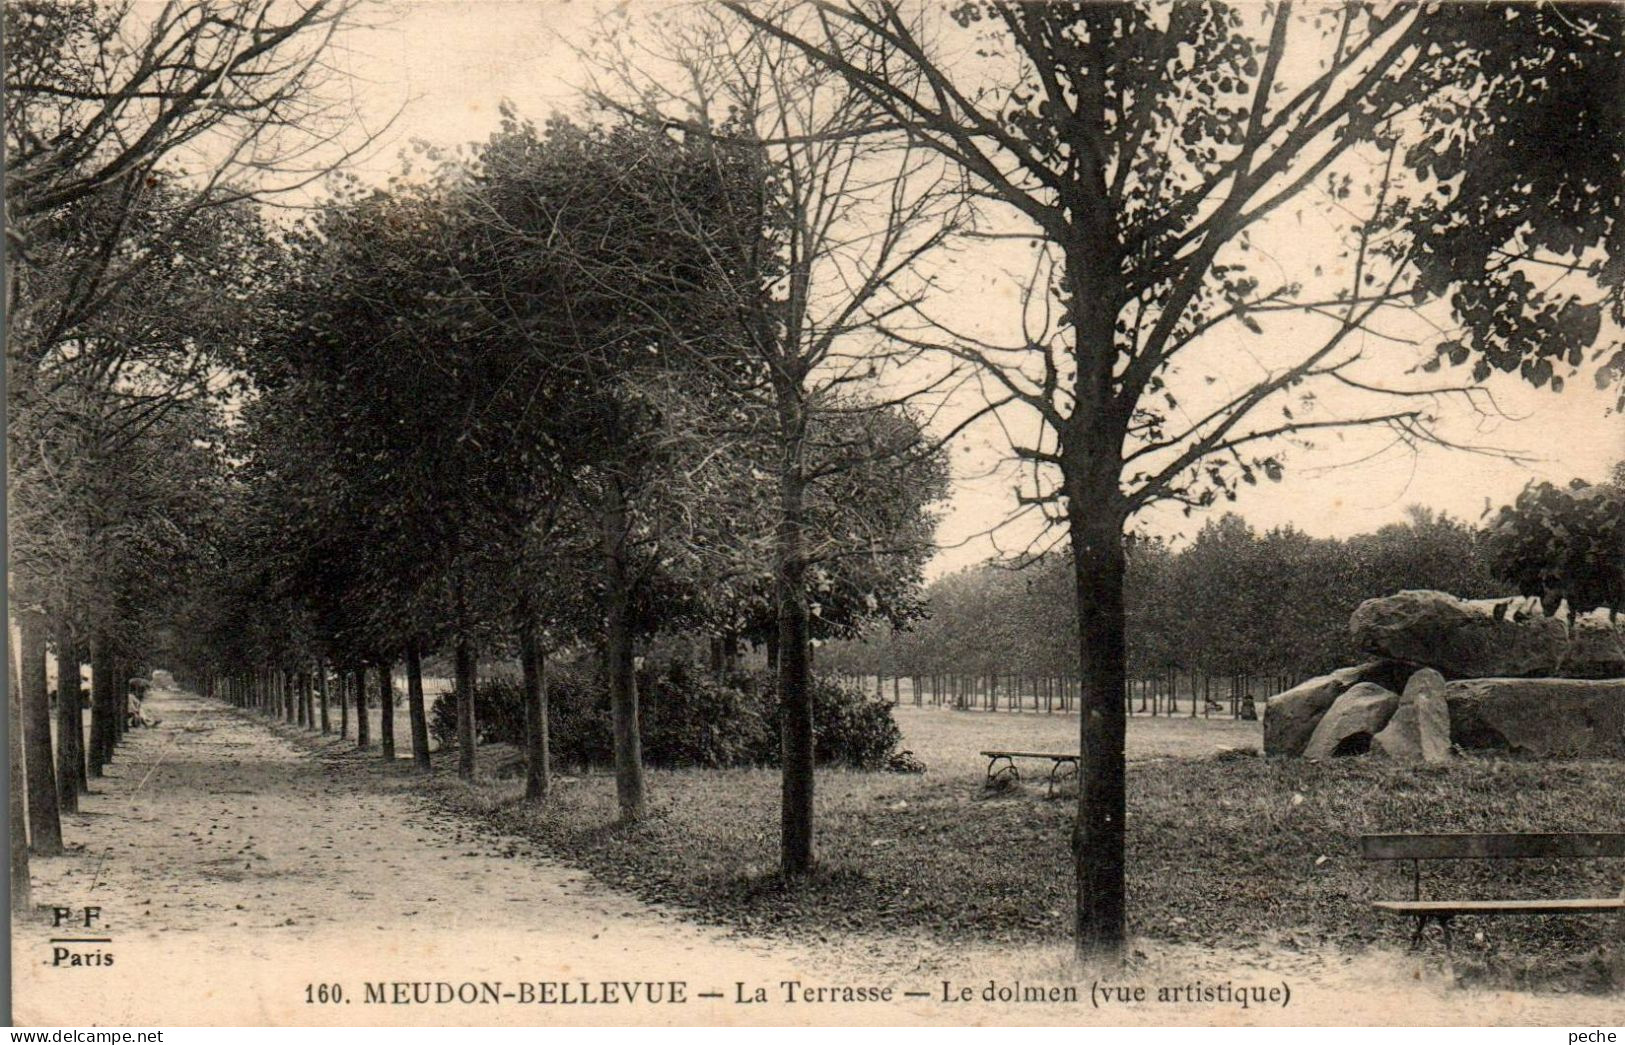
237	858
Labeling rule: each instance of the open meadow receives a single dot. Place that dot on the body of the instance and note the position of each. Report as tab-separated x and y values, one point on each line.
1224	846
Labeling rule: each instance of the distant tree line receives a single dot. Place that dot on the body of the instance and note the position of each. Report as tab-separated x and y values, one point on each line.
1238	603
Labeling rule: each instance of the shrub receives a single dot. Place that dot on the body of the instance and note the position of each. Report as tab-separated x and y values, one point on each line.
691	719
850	727
688	718
579	729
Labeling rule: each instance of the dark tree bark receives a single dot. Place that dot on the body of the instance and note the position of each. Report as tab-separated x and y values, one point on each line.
466	681
618	656
44	819
1098	836
70	760
363	728
415	707
343	688
533	662
321	686
21	896
386	711
103	706
119	721
795	690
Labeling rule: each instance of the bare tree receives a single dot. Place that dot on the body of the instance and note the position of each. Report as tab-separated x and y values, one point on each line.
840	222
1144	147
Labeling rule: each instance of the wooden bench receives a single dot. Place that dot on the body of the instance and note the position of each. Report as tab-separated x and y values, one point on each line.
1419	847
1008	771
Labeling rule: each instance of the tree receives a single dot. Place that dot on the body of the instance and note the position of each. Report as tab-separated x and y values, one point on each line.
1144	148
1564	545
100	101
824	246
633	221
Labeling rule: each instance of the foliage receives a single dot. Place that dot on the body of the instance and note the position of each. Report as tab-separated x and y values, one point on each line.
1564	545
1526	80
689	719
1232	601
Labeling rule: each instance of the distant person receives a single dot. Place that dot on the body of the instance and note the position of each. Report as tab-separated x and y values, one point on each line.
139	719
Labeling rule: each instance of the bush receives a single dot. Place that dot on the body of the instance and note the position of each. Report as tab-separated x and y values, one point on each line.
579	728
850	727
691	719
688	718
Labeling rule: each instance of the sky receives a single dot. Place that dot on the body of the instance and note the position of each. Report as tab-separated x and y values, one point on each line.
436	71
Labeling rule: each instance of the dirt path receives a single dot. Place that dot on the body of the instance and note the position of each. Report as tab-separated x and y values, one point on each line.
236	872
232	869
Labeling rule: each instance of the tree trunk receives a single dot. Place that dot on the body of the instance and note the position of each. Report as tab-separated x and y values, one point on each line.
44	819
321	697
121	700
623	684
104	699
344	702
533	662
1098	833
363	728
466	681
415	709
70	759
386	711
795	679
21	897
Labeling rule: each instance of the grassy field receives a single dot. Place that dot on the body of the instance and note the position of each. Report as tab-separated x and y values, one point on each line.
1224	847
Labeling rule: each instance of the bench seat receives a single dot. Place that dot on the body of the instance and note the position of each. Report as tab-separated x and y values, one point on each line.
1030	754
1057	759
1599	905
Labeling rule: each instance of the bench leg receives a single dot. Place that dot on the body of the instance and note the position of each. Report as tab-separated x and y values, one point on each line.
1444	921
1006	770
1056	776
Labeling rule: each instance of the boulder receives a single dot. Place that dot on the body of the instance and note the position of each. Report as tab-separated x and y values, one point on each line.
1540	718
1596	648
1459	638
1594	643
1352	720
1420	728
1290	717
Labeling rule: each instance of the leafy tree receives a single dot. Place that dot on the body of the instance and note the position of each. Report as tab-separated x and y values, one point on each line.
1564	544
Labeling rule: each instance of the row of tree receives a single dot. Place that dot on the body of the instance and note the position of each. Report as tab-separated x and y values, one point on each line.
571	386
136	136
1231	602
683	366
511	408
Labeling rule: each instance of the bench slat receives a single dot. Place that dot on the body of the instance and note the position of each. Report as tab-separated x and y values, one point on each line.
1462	846
1596	906
1029	754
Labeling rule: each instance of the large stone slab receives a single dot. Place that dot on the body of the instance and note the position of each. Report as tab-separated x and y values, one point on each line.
1352	721
1461	639
1290	717
1420	728
1540	718
1596	648
1594	643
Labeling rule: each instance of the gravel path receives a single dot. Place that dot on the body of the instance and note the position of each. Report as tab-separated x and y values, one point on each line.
237	871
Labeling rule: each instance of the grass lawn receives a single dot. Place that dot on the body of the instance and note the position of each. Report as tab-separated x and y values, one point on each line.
1224	847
